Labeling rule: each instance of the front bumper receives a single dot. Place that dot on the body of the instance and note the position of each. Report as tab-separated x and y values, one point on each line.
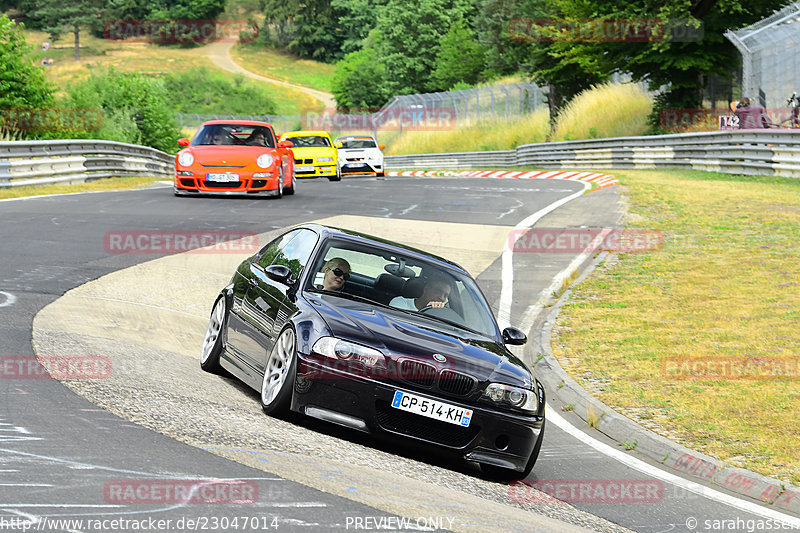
247	185
321	170
361	167
493	437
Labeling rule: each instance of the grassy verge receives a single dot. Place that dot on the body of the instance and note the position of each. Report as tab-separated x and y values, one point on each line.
106	184
724	286
151	59
277	65
492	135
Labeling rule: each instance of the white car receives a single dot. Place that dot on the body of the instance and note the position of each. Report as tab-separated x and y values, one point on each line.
360	154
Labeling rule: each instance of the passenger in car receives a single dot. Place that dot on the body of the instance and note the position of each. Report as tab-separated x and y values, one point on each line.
336	271
434	294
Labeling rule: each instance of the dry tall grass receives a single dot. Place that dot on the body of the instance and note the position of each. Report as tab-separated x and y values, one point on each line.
484	135
604	111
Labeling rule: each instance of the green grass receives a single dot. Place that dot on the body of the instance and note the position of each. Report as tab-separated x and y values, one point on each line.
105	184
278	65
150	59
723	286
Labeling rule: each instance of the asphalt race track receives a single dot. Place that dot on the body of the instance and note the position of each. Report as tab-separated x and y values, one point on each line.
158	418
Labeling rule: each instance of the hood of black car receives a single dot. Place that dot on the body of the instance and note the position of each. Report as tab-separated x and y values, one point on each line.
400	335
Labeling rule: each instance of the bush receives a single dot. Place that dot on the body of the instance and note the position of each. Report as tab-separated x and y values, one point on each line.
135	109
212	93
604	111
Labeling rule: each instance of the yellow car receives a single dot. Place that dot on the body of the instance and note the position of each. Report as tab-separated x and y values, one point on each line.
314	154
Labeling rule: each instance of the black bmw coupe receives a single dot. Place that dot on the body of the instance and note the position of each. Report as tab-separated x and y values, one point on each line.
381	338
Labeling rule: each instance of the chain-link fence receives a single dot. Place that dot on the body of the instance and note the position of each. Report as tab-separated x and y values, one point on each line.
770	49
431	111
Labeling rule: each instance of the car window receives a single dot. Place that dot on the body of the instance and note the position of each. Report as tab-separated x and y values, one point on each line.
309	141
234	135
296	252
269	252
357	143
383	276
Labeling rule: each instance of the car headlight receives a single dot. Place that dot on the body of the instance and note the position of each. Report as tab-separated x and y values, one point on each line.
516	397
185	159
264	161
324	159
340	349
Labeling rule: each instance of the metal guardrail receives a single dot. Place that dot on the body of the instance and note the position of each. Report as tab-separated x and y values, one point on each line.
76	161
767	152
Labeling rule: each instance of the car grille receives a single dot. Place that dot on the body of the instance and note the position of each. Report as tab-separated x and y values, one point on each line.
417	372
188	182
257	184
456	382
398	421
355	159
222	185
304	161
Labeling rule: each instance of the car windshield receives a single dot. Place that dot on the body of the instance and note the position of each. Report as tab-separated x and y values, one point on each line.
234	135
357	143
309	141
405	283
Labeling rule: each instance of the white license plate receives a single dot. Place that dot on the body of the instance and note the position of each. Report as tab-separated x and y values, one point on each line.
224	178
354	164
304	169
432	408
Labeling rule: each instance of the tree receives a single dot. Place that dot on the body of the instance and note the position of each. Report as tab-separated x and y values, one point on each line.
61	16
22	84
460	58
307	28
409	37
356	19
359	81
668	59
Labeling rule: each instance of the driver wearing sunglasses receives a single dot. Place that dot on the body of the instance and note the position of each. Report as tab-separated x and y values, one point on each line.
337	271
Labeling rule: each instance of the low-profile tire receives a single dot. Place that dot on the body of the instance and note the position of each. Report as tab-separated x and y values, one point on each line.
212	342
497	473
280	185
338	176
279	373
380	174
290	190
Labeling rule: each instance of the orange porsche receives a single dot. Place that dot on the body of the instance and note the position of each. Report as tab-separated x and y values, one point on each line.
234	157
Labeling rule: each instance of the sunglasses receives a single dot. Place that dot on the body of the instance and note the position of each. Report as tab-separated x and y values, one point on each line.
341	273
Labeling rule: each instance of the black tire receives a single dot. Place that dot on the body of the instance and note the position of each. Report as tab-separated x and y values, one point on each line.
290	190
338	176
380	174
279	373
212	343
280	185
497	473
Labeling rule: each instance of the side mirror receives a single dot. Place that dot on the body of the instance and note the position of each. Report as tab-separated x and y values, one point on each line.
285	144
338	144
183	142
279	273
514	336
382	147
